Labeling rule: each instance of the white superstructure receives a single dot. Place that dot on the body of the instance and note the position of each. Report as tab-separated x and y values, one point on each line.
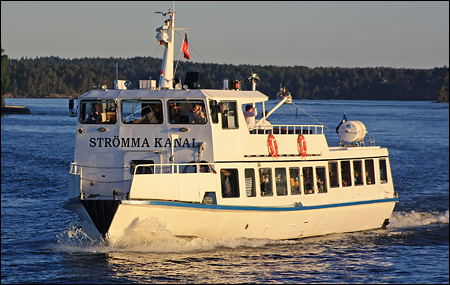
187	158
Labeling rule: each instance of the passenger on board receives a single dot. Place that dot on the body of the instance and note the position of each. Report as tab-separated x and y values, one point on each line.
174	113
345	178
333	179
226	184
250	114
95	115
197	116
319	183
358	179
368	180
307	180
263	184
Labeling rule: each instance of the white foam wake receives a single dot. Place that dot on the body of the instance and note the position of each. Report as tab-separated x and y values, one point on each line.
147	236
152	236
413	218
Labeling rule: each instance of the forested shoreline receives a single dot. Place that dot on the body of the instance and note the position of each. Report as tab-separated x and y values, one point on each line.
53	76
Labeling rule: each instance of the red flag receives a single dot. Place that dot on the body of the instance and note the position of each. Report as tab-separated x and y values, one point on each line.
185	47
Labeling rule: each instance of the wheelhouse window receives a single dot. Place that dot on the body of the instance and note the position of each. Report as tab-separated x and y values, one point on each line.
98	112
281	181
294	177
370	177
230	183
250	189
142	112
357	172
334	178
308	180
265	178
214	108
321	180
187	112
383	171
229	115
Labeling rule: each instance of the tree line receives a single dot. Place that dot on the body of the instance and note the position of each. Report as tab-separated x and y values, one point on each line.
43	76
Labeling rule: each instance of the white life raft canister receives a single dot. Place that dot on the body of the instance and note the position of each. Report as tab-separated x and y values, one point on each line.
352	131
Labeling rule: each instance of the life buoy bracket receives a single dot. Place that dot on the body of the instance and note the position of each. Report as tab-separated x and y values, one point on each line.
272	145
301	145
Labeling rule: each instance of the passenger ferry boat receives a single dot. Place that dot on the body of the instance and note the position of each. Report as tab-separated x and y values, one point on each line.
186	157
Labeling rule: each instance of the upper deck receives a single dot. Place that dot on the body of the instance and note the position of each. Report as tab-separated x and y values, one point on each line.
161	124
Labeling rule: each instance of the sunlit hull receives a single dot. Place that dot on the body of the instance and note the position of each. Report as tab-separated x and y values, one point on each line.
132	218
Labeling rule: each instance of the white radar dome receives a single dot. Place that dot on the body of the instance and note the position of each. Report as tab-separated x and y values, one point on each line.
352	131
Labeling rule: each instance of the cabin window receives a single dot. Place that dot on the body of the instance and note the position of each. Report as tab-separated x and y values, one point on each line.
383	171
98	112
334	178
321	180
370	177
265	178
187	112
250	189
307	173
229	115
357	172
230	183
142	112
191	167
281	181
345	173
214	107
294	177
143	166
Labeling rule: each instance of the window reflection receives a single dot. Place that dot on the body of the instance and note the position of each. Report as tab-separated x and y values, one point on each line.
98	112
142	112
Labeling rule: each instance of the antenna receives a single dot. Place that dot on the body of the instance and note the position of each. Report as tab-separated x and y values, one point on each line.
165	37
117	70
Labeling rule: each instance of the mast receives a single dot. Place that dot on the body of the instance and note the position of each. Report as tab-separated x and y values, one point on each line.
165	37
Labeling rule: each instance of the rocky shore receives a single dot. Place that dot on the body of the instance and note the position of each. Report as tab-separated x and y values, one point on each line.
9	109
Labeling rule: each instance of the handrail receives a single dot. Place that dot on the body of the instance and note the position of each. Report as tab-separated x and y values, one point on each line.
166	168
290	129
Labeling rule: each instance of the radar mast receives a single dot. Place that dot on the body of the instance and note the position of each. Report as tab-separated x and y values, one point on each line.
165	37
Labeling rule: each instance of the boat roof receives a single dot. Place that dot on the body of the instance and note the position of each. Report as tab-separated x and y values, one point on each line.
251	96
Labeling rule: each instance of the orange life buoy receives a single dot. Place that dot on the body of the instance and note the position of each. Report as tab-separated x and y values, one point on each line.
272	145
302	145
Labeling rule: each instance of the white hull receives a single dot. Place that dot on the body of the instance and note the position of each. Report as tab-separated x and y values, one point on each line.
183	219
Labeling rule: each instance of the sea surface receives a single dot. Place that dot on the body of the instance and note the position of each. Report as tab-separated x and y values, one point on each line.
43	243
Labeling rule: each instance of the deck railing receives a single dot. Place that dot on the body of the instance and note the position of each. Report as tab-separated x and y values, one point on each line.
289	129
169	168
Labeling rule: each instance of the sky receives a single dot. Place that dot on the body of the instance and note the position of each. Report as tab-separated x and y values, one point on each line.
404	34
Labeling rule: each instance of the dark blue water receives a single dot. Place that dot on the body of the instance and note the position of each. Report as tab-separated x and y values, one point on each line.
42	243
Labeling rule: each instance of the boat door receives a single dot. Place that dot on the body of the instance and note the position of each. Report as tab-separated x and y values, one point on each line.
134	158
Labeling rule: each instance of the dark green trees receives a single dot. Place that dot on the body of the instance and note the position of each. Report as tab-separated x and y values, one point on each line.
5	75
41	77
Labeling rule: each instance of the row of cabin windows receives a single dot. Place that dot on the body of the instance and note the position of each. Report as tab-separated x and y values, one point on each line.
151	112
307	180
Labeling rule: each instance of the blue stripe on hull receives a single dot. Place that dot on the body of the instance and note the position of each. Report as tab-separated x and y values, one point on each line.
253	208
